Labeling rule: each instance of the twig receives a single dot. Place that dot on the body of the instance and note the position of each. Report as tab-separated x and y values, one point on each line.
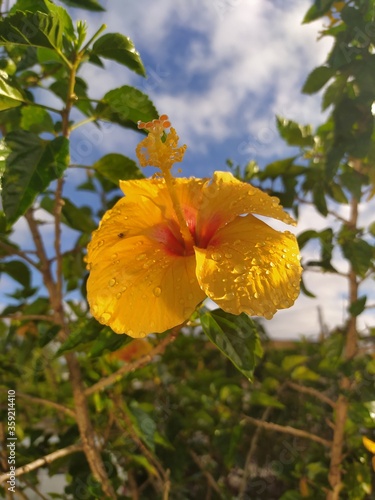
57	242
167	486
122	409
210	480
47	402
41	253
13	251
312	392
287	429
131	367
40	462
28	317
250	454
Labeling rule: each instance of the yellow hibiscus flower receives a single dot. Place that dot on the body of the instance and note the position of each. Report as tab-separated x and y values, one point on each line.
171	242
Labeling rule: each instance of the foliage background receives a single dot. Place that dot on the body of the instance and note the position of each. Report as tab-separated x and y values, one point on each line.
171	416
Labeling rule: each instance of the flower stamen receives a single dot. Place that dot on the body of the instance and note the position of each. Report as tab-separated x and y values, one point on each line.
163	154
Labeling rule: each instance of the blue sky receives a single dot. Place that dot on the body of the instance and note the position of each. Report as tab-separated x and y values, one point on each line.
221	70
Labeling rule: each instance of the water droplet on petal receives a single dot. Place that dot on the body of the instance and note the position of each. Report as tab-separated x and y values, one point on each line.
100	243
157	291
239	269
105	317
187	312
123	288
229	296
216	256
112	282
118	295
89	266
228	255
255	295
240	279
130	332
141	256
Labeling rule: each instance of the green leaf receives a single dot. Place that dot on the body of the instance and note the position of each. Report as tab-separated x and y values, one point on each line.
304	373
4	153
37	29
30	167
263	399
319	199
305	290
319	9
141	460
357	307
36	119
121	49
77	218
108	341
145	426
317	79
236	337
10	96
126	106
85	4
18	271
45	7
293	133
283	168
115	167
82	333
358	252
290	362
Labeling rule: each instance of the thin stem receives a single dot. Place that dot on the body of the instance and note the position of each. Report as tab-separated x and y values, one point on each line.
253	446
287	429
46	402
27	317
41	462
131	367
210	480
89	119
13	251
48	108
95	35
312	392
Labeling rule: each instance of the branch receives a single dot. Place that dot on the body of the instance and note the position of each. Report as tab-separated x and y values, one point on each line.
57	215
312	392
27	317
210	480
286	429
41	253
251	452
131	367
46	402
40	462
13	251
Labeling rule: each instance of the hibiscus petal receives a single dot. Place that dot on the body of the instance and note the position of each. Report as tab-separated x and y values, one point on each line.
135	285
249	267
188	190
225	197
